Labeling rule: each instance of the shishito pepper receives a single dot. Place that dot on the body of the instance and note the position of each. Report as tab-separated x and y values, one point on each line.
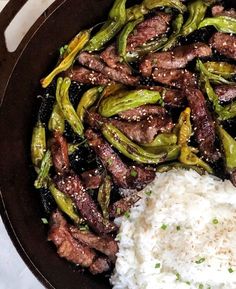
44	169
224	24
229	147
172	151
64	203
223	69
78	44
87	100
115	22
188	154
146	6
176	165
56	121
126	100
104	195
128	148
38	144
162	139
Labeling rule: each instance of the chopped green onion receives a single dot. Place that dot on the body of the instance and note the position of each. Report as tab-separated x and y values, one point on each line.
188	283
200	286
127	214
44	221
158	265
164	227
148	193
84	228
118	211
215	221
178	277
133	173
200	261
230	270
178	228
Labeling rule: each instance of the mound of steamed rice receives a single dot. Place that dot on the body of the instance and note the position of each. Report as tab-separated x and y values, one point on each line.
181	234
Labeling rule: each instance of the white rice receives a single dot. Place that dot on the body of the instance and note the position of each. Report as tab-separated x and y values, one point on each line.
181	236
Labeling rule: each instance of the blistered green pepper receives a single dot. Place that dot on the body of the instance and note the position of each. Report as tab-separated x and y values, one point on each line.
126	100
139	10
223	69
123	36
82	39
213	77
224	24
56	121
172	151
87	100
64	203
116	20
38	144
197	10
104	194
128	148
228	112
44	169
162	139
175	165
151	46
176	25
229	146
68	110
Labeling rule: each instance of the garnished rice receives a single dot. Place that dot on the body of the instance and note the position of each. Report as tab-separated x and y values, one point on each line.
181	234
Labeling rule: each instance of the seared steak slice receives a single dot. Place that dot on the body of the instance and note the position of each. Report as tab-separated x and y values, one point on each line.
112	59
71	185
178	78
105	245
142	112
144	131
226	92
87	76
123	205
148	29
100	265
121	173
91	179
93	61
204	128
177	58
218	10
225	44
67	246
59	151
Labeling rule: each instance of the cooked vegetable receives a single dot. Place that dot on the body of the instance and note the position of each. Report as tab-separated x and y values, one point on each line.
67	108
177	26
81	39
122	38
162	139
126	100
224	24
87	100
104	194
38	144
175	165
44	169
57	121
64	203
197	10
128	148
139	10
223	69
116	20
172	151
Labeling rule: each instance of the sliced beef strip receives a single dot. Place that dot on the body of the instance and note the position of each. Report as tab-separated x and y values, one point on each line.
204	128
225	44
121	173
112	59
100	265
218	10
177	58
59	150
105	245
91	179
178	78
118	208
71	185
144	131
86	76
226	92
67	246
148	29
94	62
143	112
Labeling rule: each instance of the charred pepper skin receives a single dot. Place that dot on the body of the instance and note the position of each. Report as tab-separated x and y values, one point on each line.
104	195
38	144
223	24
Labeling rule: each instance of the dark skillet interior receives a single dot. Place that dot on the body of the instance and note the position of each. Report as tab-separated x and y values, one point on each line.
20	206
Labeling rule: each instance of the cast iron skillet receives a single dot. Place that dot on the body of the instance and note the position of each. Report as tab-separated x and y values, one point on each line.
19	84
